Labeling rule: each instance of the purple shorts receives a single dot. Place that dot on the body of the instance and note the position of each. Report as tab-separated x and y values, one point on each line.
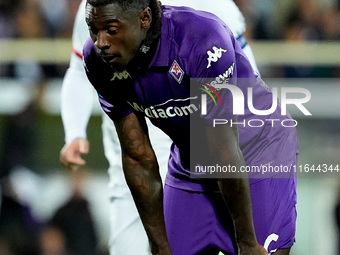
199	223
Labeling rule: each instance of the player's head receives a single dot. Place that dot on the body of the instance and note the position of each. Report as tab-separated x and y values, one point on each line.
119	27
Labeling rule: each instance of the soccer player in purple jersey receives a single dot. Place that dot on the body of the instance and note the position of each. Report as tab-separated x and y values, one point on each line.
140	60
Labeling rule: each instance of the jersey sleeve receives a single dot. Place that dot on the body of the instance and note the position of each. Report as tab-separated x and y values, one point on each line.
226	10
216	69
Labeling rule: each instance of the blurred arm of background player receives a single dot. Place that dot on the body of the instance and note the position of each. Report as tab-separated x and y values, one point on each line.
76	108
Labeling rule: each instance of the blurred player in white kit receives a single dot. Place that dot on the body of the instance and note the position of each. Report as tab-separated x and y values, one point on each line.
127	235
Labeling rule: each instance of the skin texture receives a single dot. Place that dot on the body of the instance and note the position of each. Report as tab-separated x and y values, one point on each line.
116	33
70	154
142	175
224	149
117	36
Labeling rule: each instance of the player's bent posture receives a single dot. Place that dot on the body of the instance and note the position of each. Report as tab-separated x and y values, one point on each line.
127	235
140	61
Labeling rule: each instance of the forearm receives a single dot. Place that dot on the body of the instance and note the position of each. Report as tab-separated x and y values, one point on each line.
236	193
235	186
76	102
142	176
146	187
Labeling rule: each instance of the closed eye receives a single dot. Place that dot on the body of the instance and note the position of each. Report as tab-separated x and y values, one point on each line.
112	31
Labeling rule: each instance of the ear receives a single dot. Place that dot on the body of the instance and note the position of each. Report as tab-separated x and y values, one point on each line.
145	18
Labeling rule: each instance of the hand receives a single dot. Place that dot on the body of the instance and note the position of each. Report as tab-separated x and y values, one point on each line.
70	154
252	250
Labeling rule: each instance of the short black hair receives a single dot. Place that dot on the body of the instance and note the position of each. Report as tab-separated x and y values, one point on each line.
125	4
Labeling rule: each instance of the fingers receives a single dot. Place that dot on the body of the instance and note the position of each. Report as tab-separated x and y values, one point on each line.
83	146
70	154
73	167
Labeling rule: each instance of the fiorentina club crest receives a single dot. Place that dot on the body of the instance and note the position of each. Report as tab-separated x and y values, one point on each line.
176	72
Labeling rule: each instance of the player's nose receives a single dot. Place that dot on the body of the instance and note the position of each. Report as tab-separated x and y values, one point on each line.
102	41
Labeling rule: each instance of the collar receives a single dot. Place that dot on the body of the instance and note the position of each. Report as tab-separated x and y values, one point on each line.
161	57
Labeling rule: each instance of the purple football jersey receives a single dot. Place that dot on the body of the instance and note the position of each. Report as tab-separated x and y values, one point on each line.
195	53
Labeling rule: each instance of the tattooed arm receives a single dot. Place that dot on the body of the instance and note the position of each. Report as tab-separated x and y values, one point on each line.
224	147
142	175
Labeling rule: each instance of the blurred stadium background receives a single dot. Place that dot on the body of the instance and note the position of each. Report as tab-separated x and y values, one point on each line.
296	44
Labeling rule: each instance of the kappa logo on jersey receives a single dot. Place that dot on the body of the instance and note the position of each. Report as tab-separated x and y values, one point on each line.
121	75
214	56
176	72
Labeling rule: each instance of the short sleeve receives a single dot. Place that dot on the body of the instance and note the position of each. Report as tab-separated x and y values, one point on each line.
216	71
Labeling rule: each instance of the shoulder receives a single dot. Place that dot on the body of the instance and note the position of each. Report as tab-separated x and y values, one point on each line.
89	50
90	56
196	34
226	10
194	30
188	19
